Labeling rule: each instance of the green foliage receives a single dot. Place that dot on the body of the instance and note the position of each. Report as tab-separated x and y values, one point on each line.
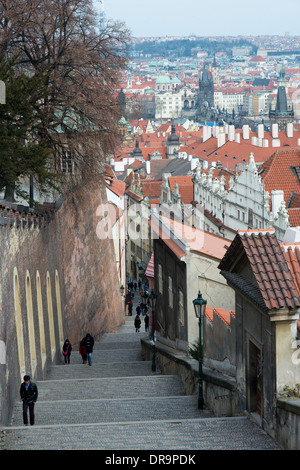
24	151
194	350
184	47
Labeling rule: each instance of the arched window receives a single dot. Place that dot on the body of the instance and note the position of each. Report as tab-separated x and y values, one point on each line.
50	316
41	318
30	322
19	325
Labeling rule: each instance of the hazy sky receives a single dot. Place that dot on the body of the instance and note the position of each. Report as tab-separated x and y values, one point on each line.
206	17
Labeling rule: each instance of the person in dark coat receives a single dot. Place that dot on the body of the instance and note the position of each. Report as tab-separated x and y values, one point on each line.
138	309
88	342
137	323
66	350
146	320
29	395
130	305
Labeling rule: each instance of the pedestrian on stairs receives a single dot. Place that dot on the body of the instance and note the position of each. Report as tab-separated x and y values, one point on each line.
82	352
146	320
88	342
138	309
66	350
29	395
137	323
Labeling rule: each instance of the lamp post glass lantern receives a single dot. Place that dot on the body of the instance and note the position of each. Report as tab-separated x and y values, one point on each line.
200	306
153	298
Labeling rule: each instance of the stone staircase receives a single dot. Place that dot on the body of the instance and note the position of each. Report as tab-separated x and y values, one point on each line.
120	404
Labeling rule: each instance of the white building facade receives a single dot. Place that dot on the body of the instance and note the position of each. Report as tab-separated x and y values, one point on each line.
245	204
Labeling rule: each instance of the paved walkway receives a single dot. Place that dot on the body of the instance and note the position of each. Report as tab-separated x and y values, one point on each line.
120	404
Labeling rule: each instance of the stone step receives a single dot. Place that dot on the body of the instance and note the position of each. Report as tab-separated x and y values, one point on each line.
198	434
118	387
83	371
113	410
108	355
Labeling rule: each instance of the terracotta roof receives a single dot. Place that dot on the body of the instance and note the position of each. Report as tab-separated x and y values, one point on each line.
294	216
294	201
185	187
151	187
116	186
278	172
209	313
292	255
199	241
223	314
273	286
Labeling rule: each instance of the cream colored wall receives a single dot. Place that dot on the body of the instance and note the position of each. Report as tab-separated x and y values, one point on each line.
203	274
287	355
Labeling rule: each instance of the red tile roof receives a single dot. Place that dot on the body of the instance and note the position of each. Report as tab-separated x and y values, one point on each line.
185	187
277	172
151	187
116	186
294	216
292	255
276	285
223	314
199	241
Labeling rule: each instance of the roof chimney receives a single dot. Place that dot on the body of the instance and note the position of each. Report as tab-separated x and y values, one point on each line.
245	132
275	131
221	139
290	130
260	131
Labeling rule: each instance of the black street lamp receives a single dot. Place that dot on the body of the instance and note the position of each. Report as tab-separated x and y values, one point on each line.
200	306
153	298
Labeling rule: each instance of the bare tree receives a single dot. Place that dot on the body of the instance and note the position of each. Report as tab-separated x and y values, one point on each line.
59	38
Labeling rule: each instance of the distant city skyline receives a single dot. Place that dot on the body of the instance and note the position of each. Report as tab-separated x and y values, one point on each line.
204	18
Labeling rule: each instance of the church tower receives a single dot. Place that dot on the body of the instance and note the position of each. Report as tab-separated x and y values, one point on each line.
283	113
215	72
173	143
205	92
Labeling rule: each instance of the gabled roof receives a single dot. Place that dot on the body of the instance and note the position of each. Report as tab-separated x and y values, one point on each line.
272	286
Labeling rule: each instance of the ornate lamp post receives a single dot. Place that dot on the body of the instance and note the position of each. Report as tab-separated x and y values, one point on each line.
200	306
153	298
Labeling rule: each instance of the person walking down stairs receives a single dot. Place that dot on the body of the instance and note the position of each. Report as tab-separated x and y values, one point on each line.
137	323
88	342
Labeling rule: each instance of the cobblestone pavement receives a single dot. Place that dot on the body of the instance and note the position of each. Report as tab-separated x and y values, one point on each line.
120	404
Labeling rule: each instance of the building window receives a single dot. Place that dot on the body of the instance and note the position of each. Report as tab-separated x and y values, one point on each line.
181	307
66	161
170	291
